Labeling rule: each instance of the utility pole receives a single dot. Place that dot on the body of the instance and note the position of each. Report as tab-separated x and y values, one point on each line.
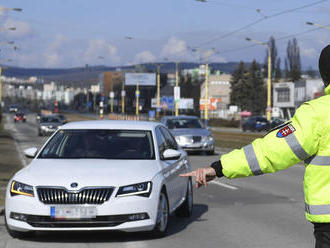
158	92
123	93
177	85
269	80
0	95
206	111
137	95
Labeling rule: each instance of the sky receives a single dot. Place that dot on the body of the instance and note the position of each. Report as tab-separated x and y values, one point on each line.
73	33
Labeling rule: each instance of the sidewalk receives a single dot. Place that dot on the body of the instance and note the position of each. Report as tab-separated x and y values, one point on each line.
9	162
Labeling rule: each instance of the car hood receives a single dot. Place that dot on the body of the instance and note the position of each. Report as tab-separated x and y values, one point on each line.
87	172
190	132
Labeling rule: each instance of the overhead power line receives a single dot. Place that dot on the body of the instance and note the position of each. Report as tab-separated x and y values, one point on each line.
278	39
260	20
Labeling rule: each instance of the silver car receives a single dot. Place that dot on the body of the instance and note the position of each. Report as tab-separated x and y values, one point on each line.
48	125
190	133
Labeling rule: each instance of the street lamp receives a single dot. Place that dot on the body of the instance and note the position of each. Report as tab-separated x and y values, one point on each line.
6	29
2	9
207	54
158	91
318	25
269	81
177	87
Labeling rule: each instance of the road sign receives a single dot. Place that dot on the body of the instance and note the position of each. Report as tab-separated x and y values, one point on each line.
112	94
123	93
176	93
137	93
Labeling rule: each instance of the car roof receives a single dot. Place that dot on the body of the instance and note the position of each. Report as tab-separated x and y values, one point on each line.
112	124
179	117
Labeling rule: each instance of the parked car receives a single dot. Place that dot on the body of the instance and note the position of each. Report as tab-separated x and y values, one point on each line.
190	133
61	117
48	125
101	175
19	117
276	122
13	108
256	123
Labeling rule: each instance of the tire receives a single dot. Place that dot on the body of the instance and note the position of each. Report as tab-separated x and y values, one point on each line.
186	208
162	216
17	234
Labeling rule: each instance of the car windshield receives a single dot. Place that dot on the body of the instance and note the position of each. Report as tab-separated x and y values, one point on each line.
184	123
100	144
49	119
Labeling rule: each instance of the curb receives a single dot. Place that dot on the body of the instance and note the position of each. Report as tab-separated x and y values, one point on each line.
2	210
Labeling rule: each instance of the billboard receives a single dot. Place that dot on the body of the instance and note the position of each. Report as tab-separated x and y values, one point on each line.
212	103
143	79
167	103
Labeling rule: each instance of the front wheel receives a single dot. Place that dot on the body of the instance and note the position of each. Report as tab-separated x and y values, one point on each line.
162	216
186	208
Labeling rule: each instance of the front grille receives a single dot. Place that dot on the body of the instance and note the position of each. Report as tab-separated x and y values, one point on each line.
197	139
99	221
50	195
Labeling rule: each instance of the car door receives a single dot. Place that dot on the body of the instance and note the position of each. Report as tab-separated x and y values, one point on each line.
177	167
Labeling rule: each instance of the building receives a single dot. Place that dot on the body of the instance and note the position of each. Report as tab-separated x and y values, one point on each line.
218	94
109	80
288	96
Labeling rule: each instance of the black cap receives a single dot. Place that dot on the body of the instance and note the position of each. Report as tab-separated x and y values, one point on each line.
324	65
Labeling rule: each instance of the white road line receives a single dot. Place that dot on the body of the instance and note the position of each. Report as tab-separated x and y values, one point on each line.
224	185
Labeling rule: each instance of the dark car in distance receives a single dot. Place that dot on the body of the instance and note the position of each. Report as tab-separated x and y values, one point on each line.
256	123
19	117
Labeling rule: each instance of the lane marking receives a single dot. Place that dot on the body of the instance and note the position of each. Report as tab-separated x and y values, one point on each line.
224	185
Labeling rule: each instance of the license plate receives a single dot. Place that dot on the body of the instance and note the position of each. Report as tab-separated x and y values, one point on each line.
72	212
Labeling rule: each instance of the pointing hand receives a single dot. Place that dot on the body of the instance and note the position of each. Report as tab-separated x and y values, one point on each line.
202	175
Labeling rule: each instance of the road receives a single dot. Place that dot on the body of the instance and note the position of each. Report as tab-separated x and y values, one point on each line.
264	211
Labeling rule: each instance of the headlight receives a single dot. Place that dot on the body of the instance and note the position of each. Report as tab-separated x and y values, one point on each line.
43	127
141	189
210	138
18	188
181	140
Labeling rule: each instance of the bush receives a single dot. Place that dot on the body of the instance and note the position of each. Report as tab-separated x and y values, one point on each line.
223	123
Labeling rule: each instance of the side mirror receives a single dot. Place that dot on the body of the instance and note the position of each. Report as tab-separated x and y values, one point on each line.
31	152
171	154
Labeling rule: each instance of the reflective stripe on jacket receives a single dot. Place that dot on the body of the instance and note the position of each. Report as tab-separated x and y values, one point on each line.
306	137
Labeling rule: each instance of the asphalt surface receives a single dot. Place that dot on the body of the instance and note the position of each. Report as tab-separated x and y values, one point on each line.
264	211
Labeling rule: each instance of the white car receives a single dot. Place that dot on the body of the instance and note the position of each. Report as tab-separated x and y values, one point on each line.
101	175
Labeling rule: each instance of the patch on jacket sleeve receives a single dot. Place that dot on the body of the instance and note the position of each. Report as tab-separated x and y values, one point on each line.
285	131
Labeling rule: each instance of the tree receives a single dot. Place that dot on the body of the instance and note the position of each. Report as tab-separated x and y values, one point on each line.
293	55
310	72
278	72
273	57
237	85
248	89
286	68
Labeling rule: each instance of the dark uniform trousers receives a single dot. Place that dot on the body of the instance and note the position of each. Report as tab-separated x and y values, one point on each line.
322	235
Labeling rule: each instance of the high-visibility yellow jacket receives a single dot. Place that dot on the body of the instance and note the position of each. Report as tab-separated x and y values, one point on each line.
306	137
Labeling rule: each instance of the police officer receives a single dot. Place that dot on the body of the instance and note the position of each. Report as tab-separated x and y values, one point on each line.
305	137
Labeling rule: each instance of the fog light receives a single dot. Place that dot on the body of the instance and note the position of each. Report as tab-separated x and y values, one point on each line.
17	216
134	217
